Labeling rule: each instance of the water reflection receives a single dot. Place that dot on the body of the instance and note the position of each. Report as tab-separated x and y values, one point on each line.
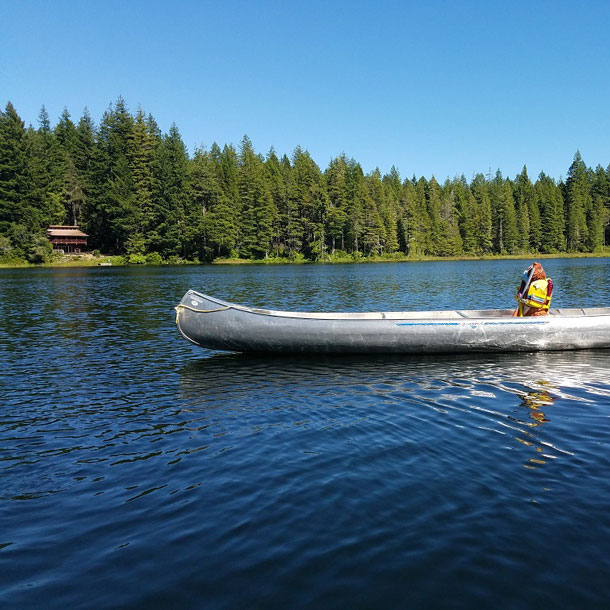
502	398
535	401
535	378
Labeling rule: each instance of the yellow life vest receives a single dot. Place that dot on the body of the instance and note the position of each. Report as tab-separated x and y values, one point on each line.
538	296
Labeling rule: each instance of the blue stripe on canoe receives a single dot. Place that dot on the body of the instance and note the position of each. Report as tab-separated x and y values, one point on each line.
471	323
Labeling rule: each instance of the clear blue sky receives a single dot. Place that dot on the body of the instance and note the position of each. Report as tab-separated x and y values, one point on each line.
434	88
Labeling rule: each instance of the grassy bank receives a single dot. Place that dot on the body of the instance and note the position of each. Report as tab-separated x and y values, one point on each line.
330	260
90	260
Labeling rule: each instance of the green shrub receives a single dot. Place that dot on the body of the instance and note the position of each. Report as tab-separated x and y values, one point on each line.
6	249
137	259
154	258
40	250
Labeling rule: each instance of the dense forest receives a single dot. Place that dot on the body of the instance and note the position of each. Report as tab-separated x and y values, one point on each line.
137	192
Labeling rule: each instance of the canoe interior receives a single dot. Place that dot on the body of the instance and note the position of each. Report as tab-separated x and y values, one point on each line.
199	302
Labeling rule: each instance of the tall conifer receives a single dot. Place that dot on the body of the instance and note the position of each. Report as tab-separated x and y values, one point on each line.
578	202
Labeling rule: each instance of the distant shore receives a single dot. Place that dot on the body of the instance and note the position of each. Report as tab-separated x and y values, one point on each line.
88	260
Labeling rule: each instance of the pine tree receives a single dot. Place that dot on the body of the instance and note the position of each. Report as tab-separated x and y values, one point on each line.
73	188
110	208
14	205
597	216
211	210
82	157
44	159
550	201
309	194
483	225
141	153
528	214
336	212
172	235
374	236
65	133
504	218
433	204
394	195
73	194
578	203
355	206
450	242
276	179
416	222
463	208
257	209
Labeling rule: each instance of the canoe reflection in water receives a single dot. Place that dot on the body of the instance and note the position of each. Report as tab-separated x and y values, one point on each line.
560	372
414	398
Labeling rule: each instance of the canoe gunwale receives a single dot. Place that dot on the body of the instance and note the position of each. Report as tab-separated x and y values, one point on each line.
456	314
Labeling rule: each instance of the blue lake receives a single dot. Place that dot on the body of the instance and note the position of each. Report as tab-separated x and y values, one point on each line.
139	471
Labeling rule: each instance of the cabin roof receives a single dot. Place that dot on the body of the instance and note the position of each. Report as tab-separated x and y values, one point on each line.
65	231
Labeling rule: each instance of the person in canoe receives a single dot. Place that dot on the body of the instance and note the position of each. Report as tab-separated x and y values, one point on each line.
534	293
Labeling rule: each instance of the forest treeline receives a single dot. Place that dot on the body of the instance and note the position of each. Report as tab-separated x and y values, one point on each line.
137	192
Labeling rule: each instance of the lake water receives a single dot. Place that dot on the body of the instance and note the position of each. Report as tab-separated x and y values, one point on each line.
139	471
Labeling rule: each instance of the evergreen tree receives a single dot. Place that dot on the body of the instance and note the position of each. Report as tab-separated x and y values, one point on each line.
172	235
276	179
141	154
111	211
309	193
433	199
211	210
464	205
551	213
44	161
483	225
79	186
257	210
73	188
374	236
416	222
355	206
394	195
14	207
578	204
337	210
504	218
451	241
65	133
529	225
73	194
597	216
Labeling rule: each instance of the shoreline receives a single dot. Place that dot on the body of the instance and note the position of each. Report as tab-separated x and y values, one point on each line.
111	261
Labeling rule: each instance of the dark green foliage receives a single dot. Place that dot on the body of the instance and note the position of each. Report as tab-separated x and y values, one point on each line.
506	236
14	187
137	193
551	214
578	204
258	211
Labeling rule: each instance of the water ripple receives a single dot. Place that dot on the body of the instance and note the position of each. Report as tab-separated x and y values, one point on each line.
288	482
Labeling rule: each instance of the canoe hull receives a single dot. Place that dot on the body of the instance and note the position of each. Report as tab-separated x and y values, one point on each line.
218	325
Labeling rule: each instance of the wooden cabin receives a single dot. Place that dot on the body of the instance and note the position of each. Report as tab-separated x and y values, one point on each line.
69	239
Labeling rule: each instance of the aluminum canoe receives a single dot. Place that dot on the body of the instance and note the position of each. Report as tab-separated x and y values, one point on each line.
215	324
